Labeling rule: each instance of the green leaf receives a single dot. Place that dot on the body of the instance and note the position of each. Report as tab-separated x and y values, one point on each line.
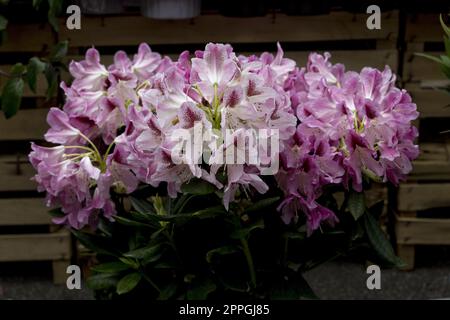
59	51
262	204
379	242
198	187
111	267
447	45
445	60
201	288
56	213
128	283
245	232
101	281
133	264
181	202
52	80
144	253
55	8
35	67
3	23
95	243
18	70
148	219
446	29
168	291
142	206
291	287
207	213
132	223
356	204
446	71
53	20
377	209
37	4
225	250
12	96
295	235
428	56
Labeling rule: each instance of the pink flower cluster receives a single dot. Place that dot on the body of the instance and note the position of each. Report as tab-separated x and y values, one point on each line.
117	125
351	125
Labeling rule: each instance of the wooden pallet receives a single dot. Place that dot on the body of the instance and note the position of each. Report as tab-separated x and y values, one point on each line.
17	211
343	34
26	231
53	245
428	187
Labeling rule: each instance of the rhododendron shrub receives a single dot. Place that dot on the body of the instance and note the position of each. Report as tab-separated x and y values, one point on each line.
119	169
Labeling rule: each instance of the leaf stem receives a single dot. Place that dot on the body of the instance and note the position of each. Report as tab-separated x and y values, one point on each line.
248	256
150	281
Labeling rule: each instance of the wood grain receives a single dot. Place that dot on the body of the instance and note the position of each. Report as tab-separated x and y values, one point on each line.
28	124
35	247
415	196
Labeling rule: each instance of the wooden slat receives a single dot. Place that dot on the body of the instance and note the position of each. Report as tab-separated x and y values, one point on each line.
411	231
431	103
433	163
415	197
23	211
35	247
423	28
27	38
419	68
434	151
430	170
131	30
28	124
354	60
16	178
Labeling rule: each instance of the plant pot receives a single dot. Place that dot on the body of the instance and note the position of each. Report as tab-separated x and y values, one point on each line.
360	6
243	8
170	9
131	3
101	6
307	8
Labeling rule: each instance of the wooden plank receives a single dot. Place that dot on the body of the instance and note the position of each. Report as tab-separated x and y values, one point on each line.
432	164
419	68
430	170
433	151
16	173
423	28
35	247
415	197
23	211
27	38
430	103
354	60
28	124
414	231
131	30
407	254
59	268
